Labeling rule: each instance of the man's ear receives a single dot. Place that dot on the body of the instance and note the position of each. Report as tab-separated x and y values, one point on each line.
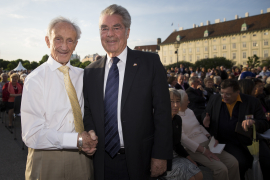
47	41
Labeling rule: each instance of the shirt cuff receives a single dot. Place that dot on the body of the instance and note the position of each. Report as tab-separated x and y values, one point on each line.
70	141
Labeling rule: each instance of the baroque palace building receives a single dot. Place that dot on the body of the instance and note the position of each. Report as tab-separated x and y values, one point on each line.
236	40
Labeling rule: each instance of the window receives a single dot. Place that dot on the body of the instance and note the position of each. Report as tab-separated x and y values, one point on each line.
205	41
190	57
265	53
234	55
265	42
254	44
170	59
244	55
184	50
244	36
254	35
184	44
214	48
234	45
198	49
205	48
254	52
184	58
198	58
164	53
244	44
244	63
164	59
265	33
190	50
224	39
214	40
224	55
170	52
198	42
215	55
223	47
206	56
233	37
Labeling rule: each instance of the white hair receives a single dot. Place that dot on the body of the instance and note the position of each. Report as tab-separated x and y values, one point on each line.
62	19
119	10
268	80
182	94
4	74
192	79
217	79
23	76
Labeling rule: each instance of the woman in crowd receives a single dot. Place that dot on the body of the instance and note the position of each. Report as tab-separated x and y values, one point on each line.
186	77
209	72
198	71
11	90
237	72
209	87
183	167
22	78
246	86
217	82
258	93
196	139
172	81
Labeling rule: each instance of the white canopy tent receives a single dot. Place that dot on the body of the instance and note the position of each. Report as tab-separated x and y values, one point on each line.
19	67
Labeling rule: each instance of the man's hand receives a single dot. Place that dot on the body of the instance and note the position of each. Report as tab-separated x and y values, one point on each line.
210	155
200	87
158	167
247	123
206	120
90	141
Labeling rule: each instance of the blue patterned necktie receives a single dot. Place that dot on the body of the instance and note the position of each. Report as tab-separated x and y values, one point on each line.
112	141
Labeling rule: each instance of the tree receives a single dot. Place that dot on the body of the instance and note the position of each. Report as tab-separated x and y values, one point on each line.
11	66
185	64
84	64
253	61
34	65
214	62
75	62
44	59
27	65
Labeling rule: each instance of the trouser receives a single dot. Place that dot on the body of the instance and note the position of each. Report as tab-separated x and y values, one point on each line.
58	165
225	169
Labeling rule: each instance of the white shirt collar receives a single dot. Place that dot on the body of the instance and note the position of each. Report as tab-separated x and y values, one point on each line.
53	64
122	57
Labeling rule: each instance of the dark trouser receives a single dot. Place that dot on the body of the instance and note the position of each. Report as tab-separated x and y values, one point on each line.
264	158
116	168
243	157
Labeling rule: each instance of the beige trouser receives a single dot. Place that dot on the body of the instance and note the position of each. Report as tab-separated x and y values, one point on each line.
225	169
58	165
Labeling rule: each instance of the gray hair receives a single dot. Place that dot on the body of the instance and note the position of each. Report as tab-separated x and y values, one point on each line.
62	19
23	76
4	74
182	94
268	80
217	79
174	92
119	10
192	79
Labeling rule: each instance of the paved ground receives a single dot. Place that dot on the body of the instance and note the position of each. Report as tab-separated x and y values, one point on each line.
12	157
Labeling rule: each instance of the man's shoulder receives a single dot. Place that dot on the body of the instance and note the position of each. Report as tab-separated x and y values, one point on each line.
39	71
142	54
248	99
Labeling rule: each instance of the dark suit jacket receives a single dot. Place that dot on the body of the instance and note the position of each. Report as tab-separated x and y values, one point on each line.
250	105
178	86
181	70
145	112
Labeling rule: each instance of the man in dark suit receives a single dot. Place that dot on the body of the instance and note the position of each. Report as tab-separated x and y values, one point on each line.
180	83
226	113
181	69
127	104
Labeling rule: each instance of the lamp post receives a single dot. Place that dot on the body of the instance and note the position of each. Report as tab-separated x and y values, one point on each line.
176	45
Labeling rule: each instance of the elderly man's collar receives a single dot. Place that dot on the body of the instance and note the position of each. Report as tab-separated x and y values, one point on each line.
54	65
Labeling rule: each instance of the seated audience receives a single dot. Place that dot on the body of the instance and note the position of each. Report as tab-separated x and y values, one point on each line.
209	87
180	83
196	139
172	81
186	78
258	93
231	76
245	73
217	81
264	72
246	86
223	73
225	115
183	167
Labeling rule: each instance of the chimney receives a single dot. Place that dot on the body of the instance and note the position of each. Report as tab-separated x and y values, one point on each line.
268	10
224	20
246	15
181	28
261	11
174	30
207	22
194	25
201	24
236	16
217	21
197	26
158	40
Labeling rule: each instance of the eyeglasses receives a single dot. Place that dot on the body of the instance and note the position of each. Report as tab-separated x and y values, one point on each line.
225	94
105	30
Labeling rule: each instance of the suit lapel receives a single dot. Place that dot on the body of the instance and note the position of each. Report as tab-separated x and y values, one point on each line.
132	64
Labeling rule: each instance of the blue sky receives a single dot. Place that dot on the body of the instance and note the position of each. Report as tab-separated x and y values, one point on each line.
23	23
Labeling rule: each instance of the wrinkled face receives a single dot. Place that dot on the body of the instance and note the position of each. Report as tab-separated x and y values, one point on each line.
185	103
113	34
62	42
14	79
228	95
209	84
175	104
181	79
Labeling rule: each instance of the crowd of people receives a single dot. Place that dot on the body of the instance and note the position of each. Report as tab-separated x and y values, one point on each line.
215	104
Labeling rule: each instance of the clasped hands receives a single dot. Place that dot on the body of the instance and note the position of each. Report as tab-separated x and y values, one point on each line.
90	141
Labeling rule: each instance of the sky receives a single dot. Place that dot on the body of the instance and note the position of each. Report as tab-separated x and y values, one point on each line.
23	23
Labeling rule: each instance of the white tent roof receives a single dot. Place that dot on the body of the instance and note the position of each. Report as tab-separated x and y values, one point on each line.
19	67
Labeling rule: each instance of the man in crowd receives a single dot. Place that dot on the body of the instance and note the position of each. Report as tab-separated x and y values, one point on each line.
181	69
245	73
226	116
223	73
127	104
4	80
264	72
196	97
52	110
180	83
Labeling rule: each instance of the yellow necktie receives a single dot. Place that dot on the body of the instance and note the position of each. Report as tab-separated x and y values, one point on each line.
76	109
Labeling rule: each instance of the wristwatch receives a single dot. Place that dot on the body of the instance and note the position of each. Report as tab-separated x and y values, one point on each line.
80	142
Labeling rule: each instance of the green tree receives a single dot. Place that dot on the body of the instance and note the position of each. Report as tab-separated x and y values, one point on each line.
253	61
266	62
27	65
4	63
34	65
44	59
75	62
185	64
84	64
11	66
214	62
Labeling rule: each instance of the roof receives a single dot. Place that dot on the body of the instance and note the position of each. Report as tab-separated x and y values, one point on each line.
254	23
153	48
19	67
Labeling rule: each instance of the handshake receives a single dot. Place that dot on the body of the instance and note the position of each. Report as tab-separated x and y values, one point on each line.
89	140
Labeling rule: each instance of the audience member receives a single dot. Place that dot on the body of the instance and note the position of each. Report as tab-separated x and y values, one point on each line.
172	82
217	81
180	83
267	86
181	69
264	72
258	93
198	72
4	80
223	73
246	86
209	87
245	73
186	78
231	76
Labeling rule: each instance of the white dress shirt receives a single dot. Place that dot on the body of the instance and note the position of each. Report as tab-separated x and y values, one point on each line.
46	113
121	67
